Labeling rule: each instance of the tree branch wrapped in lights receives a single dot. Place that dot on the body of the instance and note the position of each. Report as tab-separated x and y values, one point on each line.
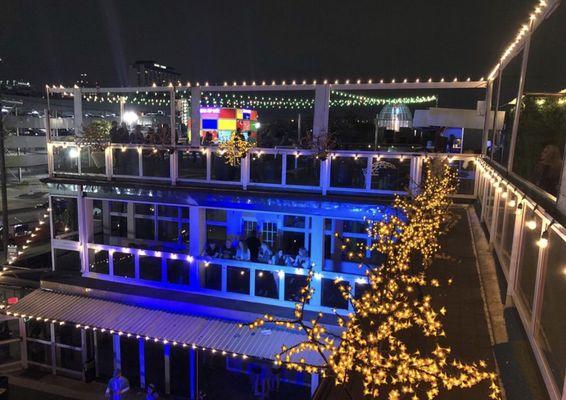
234	149
375	344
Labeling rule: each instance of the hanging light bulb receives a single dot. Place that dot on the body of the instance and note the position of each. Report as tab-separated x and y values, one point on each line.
512	203
531	224
543	241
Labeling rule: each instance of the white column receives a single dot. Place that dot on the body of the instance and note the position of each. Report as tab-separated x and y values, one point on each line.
520	89
321	104
53	349
23	343
195	116
197	238
83	230
317	256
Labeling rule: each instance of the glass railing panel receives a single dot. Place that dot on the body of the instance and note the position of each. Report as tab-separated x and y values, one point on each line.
221	171
192	164
348	172
293	285
390	174
302	170
266	168
331	296
238	280
551	327
466	173
212	276
155	163
508	230
125	161
500	207
266	283
490	193
528	258
65	159
92	161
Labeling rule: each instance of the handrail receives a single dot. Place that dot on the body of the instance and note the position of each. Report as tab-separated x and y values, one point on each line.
354	172
200	264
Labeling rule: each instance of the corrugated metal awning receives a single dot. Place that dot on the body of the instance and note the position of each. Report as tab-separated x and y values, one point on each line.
210	333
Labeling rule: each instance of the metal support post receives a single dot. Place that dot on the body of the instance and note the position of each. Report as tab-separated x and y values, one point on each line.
520	90
485	136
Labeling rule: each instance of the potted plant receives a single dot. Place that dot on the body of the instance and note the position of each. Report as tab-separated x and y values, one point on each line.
95	135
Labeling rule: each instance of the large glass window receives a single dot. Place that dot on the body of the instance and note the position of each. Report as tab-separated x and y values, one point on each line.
145	228
119	226
168	231
67	261
65	218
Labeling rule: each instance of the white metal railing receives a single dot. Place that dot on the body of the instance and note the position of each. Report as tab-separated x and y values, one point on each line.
531	247
241	280
343	171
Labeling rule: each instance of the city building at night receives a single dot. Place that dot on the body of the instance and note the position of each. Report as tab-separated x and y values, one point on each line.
177	220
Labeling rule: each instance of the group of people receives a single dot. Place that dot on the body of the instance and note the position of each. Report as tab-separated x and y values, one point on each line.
118	386
121	134
253	249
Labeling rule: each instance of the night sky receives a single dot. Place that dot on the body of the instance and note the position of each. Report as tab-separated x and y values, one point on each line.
54	41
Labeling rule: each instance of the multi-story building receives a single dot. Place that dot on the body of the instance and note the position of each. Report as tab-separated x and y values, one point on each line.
139	286
148	72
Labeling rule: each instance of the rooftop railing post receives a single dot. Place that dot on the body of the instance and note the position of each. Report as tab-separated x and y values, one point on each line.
485	136
520	91
195	116
494	126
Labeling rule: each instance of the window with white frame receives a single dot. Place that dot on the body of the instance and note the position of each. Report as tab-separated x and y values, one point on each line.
269	233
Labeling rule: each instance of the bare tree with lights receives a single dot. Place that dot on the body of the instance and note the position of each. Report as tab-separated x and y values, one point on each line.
377	342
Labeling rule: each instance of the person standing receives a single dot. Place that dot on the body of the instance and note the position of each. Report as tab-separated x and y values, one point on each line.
253	244
243	252
151	393
117	387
